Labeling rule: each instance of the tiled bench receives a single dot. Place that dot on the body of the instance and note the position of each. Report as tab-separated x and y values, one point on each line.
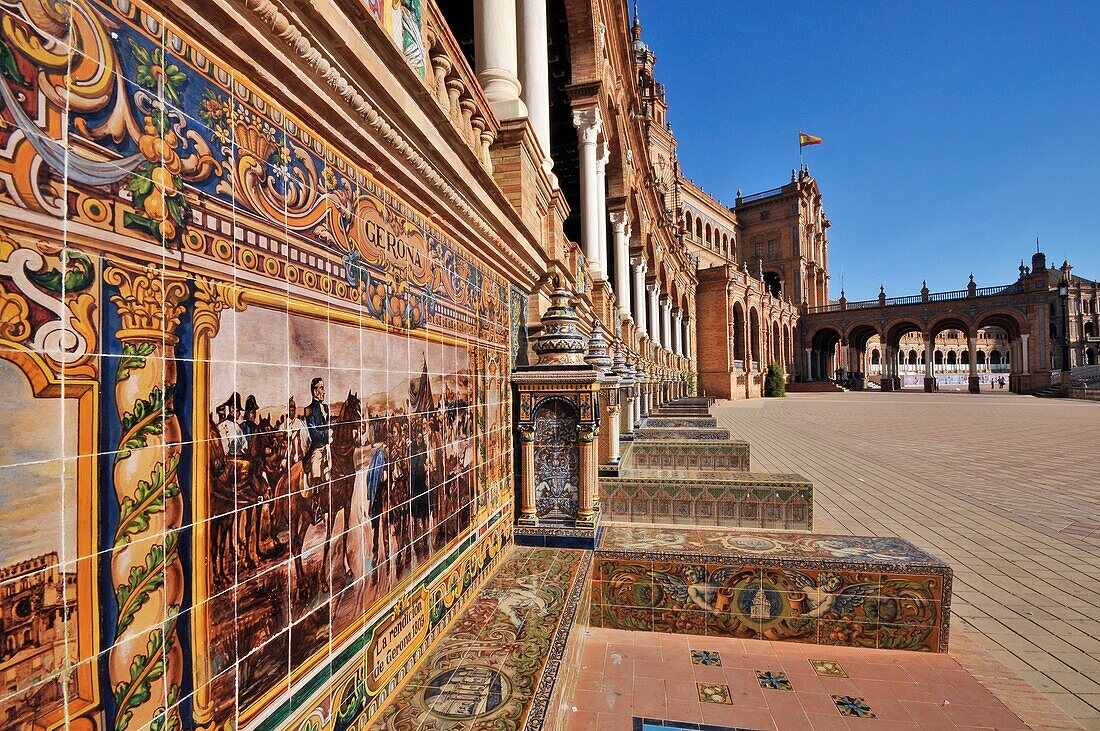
830	590
682	434
733	499
655	458
664	422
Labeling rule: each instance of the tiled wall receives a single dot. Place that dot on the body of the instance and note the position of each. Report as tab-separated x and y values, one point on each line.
257	444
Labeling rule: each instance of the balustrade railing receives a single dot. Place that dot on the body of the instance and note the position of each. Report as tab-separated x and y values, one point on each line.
456	89
760	196
913	299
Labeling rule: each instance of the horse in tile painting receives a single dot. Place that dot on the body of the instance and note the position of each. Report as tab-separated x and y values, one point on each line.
239	487
330	499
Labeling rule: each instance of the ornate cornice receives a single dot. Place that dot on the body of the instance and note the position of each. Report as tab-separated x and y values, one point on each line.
297	41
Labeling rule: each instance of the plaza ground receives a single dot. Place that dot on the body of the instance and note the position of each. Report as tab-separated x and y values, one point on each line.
1005	488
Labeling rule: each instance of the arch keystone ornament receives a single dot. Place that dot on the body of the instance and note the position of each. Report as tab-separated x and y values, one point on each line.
558	418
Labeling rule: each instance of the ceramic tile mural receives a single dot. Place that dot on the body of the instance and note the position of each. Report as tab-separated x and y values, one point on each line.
838	590
260	424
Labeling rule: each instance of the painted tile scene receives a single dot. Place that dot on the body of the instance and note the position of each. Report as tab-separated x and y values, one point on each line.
386	365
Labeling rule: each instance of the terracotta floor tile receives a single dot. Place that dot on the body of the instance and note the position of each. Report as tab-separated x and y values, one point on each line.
999	718
687	710
650	705
827	721
816	702
737	716
616	722
928	715
602	701
584	721
681	690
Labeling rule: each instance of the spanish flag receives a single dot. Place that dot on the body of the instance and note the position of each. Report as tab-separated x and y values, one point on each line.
805	140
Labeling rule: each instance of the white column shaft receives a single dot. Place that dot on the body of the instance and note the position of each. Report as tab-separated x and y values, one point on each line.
622	254
638	265
602	156
666	325
1024	359
654	317
534	71
588	130
497	57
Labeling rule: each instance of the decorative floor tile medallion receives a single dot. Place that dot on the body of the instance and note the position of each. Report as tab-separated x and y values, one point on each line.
714	693
773	680
853	707
828	668
710	658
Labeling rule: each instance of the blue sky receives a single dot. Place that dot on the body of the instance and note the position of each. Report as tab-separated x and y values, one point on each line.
954	132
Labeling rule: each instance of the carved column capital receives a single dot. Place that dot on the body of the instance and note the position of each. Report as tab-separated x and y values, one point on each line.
619	220
588	124
211	297
149	301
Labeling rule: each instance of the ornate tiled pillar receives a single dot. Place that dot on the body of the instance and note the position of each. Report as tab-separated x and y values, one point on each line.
589	476
528	512
145	663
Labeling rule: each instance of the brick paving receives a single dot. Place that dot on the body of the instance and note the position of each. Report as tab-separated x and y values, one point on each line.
1006	488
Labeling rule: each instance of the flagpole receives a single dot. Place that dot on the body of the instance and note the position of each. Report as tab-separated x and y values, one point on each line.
800	152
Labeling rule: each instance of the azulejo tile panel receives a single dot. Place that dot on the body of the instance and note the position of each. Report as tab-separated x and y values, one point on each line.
496	666
842	590
674	456
741	500
261	416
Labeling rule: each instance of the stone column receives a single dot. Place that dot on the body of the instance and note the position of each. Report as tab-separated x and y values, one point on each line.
528	512
589	477
975	384
810	364
687	337
497	58
621	230
1025	360
652	292
534	72
588	126
666	322
602	156
638	266
626	428
678	333
929	368
613	433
